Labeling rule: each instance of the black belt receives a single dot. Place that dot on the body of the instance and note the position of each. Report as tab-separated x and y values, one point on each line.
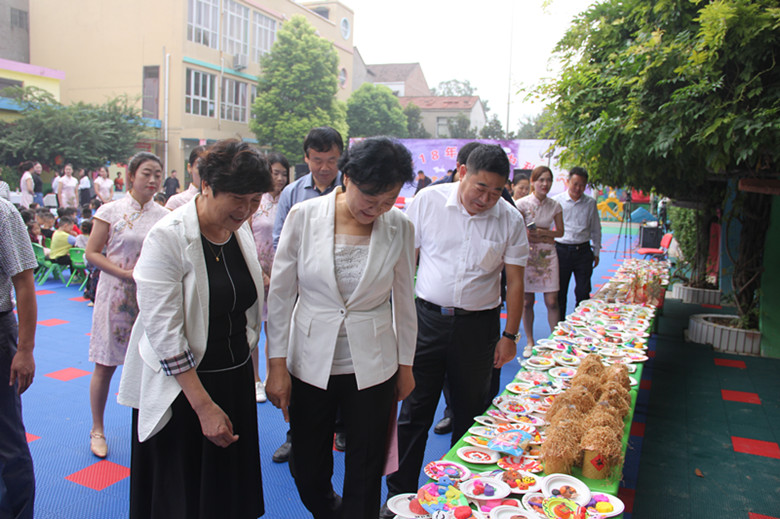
3	314
574	246
449	310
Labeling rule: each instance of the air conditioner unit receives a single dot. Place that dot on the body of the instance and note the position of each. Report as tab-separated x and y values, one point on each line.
240	61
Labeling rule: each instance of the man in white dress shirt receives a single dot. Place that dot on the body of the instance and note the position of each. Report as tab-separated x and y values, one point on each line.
464	237
578	249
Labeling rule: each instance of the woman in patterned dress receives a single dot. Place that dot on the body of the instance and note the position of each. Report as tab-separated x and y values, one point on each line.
67	188
262	227
119	228
541	273
104	187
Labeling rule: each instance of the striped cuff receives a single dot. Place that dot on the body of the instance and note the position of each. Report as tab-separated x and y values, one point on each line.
178	364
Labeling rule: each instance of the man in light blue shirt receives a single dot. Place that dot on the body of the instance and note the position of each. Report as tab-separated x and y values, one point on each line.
322	149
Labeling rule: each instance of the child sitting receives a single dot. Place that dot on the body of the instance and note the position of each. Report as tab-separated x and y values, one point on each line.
81	239
62	241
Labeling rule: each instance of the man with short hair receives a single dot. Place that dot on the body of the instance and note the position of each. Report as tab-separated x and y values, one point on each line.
582	227
171	185
322	149
17	365
464	237
422	181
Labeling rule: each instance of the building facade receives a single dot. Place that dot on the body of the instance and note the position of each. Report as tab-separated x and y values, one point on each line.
192	65
436	112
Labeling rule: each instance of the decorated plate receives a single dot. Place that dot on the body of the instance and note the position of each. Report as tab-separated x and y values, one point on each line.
612	505
476	441
637	358
633	381
539	363
498	414
534	502
439	468
559	507
519	388
483	431
529	419
520	463
511	512
534	377
522	482
565	486
512	406
399	505
564	359
552	388
489	421
478	455
563	373
471	488
612	352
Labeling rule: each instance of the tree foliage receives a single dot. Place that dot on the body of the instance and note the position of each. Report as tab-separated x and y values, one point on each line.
459	127
85	134
454	87
297	90
534	127
493	129
667	94
374	110
414	125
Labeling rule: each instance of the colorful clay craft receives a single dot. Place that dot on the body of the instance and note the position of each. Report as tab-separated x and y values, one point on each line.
441	496
520	463
440	468
565	486
605	505
521	482
406	506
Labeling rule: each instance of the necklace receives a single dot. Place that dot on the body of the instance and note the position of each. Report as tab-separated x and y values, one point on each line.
215	254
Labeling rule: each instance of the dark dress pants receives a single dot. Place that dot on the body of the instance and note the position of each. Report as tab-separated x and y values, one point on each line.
366	415
17	481
577	260
462	347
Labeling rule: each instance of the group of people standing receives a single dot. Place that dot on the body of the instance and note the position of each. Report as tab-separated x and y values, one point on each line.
329	264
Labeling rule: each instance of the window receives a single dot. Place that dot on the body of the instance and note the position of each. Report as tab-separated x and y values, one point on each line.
442	128
265	35
7	83
151	92
201	93
203	22
235	32
233	107
19	19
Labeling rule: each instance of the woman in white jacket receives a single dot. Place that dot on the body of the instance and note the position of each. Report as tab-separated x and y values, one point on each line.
335	338
188	373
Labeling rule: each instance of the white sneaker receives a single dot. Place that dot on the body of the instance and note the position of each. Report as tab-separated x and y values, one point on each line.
260	392
527	352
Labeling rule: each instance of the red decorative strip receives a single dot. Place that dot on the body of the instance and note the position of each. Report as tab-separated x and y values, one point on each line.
731	363
99	475
52	322
67	374
79	299
756	447
44	292
752	515
740	396
31	437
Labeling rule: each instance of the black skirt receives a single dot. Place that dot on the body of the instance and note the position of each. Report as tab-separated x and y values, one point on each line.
179	473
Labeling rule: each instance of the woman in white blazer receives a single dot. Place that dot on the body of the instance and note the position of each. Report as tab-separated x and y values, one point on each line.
188	372
342	326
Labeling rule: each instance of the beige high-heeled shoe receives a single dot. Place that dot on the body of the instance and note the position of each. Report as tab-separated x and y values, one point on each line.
97	444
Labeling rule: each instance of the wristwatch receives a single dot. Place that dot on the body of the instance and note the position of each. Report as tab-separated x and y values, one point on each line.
514	336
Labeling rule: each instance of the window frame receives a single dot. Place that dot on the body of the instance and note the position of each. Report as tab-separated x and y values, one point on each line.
262	33
232	109
198	78
199	30
236	20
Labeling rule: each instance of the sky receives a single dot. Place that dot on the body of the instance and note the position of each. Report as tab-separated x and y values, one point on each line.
469	40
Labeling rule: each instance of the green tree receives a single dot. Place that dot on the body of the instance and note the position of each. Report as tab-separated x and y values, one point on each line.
374	110
85	134
459	127
296	91
493	129
675	95
414	124
534	127
454	87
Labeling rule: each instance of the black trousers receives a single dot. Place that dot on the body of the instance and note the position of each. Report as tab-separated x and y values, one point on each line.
462	347
366	415
577	260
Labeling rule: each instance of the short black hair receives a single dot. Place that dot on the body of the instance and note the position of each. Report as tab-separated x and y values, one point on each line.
580	172
235	167
322	139
519	177
86	227
377	164
27	216
465	151
195	154
488	157
65	220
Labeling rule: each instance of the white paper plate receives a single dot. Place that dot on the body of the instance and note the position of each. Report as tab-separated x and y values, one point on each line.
618	505
489	421
478	455
511	512
399	505
528	506
556	481
501	489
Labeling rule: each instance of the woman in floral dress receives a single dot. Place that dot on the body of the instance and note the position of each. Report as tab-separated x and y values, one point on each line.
67	188
262	228
541	273
118	232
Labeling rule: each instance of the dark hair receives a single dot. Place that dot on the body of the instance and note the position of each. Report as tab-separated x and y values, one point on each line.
160	198
27	165
235	167
519	177
377	164
580	172
322	139
275	157
66	165
27	216
139	158
95	203
488	157
86	212
86	227
65	220
195	154
465	151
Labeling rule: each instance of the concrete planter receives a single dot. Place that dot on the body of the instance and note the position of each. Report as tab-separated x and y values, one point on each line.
723	338
699	296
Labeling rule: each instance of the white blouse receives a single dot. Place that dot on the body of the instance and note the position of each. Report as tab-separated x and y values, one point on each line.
350	256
